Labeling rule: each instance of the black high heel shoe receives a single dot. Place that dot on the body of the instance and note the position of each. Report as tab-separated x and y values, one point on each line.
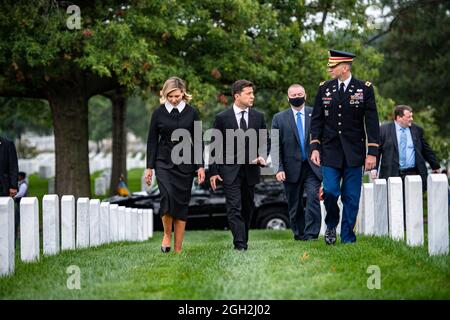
165	249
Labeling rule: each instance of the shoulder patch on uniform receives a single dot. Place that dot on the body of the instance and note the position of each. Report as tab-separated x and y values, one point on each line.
368	83
321	84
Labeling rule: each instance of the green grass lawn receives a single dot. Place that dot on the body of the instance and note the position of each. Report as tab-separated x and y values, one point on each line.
274	267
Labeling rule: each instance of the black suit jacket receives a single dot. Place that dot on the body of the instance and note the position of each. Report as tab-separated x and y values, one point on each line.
227	120
290	151
388	160
9	167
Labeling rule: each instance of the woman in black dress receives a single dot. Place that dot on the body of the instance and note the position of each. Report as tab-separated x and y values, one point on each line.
174	180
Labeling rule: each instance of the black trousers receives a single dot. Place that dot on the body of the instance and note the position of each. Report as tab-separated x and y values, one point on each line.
240	206
305	222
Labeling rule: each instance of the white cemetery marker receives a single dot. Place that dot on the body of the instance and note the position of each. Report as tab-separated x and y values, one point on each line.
360	217
140	225
50	218
341	207
128	224
100	186
437	185
83	222
145	224
134	224
122	223
395	205
323	213
7	250
114	222
29	229
369	207
104	222
381	214
67	222
414	211
150	223
94	222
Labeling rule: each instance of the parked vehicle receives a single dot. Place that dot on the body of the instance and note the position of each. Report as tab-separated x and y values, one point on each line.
207	207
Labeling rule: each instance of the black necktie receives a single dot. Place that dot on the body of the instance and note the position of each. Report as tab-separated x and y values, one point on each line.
242	123
341	90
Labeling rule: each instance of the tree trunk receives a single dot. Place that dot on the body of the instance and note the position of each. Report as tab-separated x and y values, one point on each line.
119	141
70	124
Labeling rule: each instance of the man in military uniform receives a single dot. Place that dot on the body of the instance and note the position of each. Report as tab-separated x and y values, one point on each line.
344	114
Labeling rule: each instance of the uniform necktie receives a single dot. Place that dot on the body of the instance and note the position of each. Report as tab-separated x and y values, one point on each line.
402	147
301	135
242	123
341	90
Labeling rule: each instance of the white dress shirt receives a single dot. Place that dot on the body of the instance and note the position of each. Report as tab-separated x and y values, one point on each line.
346	82
238	114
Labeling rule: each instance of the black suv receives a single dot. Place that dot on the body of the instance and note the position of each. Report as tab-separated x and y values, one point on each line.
207	207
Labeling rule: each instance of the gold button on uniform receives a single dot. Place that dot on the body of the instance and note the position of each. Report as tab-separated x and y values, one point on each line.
339	123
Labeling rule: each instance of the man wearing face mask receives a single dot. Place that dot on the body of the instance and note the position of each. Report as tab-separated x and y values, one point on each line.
296	170
344	117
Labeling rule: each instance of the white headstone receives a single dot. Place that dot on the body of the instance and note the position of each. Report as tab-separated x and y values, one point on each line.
122	223
381	214
7	251
369	207
45	172
50	218
323	212
395	205
360	217
67	222
140	223
104	222
29	229
150	223
341	207
437	185
414	211
114	222
100	186
134	224
51	186
128	232
145	224
94	222
83	222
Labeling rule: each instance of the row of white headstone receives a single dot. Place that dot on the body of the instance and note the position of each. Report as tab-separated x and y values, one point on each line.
92	224
381	211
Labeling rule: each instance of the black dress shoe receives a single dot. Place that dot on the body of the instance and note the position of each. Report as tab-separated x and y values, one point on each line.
165	249
240	248
330	236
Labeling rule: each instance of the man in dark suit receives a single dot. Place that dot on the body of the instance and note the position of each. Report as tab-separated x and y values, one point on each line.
344	113
239	175
403	149
9	168
296	170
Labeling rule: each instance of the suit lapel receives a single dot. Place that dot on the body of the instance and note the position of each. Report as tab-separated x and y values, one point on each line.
289	115
414	137
308	113
335	90
232	119
251	118
393	135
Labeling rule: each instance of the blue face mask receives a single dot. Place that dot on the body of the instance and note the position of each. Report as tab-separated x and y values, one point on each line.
297	102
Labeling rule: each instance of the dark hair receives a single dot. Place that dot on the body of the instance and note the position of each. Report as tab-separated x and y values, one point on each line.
239	85
22	174
400	110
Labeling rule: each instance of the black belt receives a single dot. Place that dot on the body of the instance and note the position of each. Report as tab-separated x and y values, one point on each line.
408	171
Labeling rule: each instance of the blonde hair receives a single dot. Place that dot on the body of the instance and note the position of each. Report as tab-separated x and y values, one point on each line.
172	84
